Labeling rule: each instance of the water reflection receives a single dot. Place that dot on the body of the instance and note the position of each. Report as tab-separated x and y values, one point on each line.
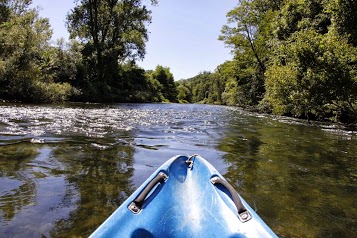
30	190
62	190
299	179
17	188
80	160
102	177
66	168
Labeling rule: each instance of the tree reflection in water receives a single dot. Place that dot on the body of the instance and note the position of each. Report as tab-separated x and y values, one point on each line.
291	174
68	179
101	171
64	189
17	187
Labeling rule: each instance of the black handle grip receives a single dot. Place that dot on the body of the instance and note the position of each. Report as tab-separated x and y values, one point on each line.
136	205
243	214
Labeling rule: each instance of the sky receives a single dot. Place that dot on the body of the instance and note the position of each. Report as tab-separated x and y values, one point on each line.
183	33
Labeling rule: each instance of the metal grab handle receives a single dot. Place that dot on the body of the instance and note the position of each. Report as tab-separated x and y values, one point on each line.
136	205
243	214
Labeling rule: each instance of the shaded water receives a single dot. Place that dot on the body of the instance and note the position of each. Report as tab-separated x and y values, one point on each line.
65	169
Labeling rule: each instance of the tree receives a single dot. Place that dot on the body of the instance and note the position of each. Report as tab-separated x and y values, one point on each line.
244	35
313	68
344	13
184	93
226	73
166	79
301	15
4	11
112	31
24	42
247	33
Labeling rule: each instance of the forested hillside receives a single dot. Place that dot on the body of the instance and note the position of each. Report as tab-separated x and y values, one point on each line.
290	57
97	65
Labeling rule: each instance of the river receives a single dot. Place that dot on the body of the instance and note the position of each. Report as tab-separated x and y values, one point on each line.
65	168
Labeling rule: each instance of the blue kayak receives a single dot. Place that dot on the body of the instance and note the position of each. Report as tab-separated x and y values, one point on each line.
185	197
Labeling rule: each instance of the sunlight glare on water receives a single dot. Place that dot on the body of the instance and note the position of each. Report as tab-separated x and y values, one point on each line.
95	121
65	168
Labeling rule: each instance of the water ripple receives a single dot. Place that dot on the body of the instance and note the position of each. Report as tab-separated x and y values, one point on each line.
98	121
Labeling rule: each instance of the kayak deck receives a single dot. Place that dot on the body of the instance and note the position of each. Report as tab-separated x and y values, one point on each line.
183	199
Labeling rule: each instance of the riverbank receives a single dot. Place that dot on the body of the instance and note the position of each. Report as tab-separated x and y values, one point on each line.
257	110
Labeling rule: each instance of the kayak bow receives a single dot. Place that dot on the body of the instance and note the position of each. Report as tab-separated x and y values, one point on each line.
185	197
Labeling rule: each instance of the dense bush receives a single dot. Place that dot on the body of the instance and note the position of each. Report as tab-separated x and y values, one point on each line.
291	57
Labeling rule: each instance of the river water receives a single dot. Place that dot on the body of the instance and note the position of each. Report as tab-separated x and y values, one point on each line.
65	168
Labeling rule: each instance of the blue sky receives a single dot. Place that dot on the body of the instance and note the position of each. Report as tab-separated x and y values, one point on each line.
183	33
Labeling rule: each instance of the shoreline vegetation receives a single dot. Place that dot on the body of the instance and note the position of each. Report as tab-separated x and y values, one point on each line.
295	58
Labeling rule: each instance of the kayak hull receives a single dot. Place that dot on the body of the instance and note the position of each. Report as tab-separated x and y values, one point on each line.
186	204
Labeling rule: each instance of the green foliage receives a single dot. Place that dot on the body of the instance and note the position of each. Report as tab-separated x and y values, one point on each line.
292	57
314	75
166	80
298	15
313	69
203	88
99	66
111	32
113	36
140	86
280	83
61	63
246	33
24	38
184	94
345	20
227	82
52	92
